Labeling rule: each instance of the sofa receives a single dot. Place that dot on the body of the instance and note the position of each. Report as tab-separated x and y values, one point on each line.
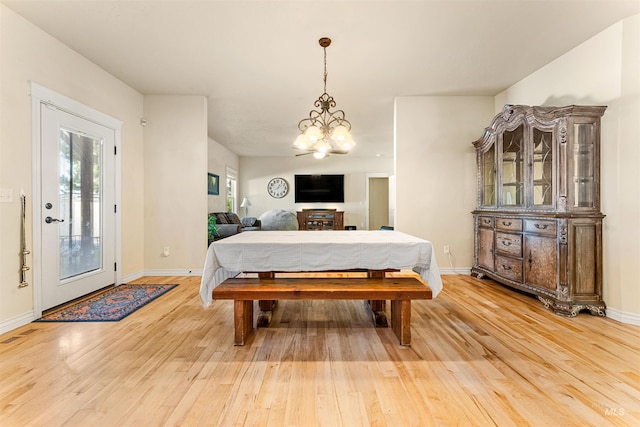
228	224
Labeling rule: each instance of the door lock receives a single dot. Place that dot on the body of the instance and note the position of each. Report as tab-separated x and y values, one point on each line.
49	220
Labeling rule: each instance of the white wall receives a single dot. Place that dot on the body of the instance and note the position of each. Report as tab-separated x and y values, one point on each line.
256	172
604	70
29	54
219	159
436	171
175	179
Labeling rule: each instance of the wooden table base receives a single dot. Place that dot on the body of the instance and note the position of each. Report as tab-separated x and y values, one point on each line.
377	307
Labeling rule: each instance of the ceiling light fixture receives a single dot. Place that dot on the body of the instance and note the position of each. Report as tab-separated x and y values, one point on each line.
324	132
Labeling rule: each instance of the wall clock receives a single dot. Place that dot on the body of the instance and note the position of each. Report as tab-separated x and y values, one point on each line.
278	188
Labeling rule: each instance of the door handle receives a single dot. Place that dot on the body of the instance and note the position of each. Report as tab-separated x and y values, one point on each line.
49	220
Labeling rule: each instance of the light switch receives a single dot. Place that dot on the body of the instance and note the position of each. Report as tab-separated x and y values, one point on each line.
6	195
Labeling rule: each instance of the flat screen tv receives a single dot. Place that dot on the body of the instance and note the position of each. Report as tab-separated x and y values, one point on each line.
319	188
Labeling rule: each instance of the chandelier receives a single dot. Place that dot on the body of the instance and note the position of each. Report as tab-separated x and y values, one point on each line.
324	132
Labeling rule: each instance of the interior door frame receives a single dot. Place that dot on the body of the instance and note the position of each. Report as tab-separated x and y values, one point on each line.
41	96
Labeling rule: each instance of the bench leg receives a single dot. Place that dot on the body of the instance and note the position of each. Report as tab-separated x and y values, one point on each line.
266	312
377	306
377	311
266	306
401	320
242	320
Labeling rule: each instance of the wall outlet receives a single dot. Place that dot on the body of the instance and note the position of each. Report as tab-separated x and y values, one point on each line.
165	251
6	195
446	250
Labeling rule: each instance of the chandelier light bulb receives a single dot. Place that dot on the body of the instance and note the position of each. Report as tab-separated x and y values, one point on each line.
340	133
323	147
346	145
301	142
313	133
319	155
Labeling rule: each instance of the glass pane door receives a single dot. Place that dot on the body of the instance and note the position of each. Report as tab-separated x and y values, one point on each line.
583	165
80	204
77	212
542	168
513	167
489	177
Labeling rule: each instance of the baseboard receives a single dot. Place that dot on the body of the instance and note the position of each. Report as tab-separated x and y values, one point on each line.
173	272
138	275
622	317
16	322
457	270
131	277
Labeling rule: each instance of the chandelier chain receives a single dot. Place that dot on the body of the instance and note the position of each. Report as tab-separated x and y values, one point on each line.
325	69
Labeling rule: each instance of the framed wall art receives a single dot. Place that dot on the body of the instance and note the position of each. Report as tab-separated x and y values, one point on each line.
213	184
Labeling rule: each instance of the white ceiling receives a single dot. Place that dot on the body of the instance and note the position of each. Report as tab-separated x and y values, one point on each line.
260	66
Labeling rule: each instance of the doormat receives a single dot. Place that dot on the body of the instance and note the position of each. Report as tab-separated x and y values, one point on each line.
109	306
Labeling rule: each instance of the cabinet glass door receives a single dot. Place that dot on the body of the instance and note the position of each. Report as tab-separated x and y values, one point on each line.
542	168
513	167
583	164
489	177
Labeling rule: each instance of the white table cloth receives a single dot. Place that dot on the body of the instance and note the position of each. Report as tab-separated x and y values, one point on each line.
299	251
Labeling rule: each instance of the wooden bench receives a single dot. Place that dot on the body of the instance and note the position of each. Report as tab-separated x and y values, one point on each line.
400	291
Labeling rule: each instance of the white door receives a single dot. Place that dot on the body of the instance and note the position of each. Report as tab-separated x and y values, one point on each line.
77	206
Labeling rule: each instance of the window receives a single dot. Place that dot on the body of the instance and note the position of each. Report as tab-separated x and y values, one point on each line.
232	190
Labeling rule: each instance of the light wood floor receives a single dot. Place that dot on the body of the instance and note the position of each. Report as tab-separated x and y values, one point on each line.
481	355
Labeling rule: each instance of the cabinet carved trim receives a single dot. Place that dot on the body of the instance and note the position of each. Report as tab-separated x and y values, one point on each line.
538	225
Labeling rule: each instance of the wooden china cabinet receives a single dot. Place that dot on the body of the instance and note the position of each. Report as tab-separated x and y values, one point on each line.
538	225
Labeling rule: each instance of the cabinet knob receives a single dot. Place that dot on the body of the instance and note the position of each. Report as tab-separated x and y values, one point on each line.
541	226
506	223
506	267
506	242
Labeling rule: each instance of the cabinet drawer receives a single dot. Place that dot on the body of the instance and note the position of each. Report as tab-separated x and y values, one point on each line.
509	268
540	226
510	244
509	224
485	221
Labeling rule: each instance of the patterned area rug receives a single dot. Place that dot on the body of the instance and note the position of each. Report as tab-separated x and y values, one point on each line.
109	306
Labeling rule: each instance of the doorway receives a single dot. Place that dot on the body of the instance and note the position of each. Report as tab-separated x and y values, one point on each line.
380	202
76	231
